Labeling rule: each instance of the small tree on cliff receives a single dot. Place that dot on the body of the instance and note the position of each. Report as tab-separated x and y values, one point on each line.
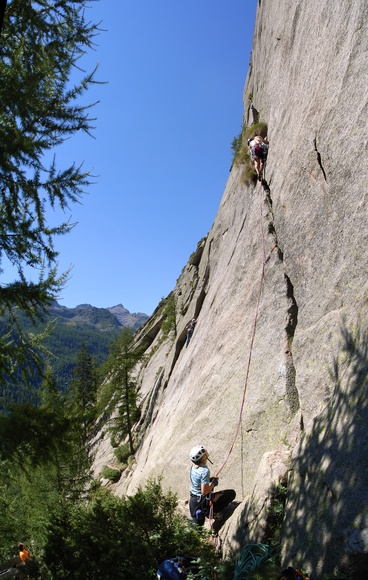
40	45
120	393
84	388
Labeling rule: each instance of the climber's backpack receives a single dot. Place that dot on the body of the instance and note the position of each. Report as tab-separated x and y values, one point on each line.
292	574
260	151
176	568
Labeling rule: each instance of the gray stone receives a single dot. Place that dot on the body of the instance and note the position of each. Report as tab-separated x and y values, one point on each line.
357	542
279	288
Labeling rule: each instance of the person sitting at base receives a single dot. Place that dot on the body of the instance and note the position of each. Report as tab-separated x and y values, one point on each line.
202	486
258	149
24	555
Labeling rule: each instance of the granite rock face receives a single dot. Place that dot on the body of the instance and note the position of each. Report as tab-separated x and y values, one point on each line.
279	288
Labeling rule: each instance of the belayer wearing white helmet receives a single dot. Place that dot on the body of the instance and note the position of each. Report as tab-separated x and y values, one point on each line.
202	486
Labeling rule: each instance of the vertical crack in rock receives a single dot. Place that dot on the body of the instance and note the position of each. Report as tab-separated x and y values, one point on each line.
180	340
150	407
319	158
237	238
292	314
255	114
292	394
291	324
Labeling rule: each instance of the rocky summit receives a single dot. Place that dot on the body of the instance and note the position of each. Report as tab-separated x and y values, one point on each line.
274	380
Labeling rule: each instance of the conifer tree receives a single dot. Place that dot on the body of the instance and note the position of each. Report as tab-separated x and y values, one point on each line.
41	44
84	388
120	392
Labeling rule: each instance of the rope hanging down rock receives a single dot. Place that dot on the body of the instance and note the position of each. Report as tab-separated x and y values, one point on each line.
253	333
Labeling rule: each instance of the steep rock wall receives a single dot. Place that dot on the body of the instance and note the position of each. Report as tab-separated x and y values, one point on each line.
305	412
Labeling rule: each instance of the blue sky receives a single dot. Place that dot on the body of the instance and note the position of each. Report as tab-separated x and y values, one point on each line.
171	107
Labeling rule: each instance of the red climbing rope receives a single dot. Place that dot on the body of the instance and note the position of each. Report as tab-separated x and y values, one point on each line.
253	335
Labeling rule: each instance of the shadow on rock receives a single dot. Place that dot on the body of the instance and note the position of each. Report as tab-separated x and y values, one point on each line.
223	516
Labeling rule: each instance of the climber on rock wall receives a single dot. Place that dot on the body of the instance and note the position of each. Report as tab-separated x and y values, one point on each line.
258	150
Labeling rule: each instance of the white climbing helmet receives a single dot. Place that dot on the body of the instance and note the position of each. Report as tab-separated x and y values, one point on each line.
197	453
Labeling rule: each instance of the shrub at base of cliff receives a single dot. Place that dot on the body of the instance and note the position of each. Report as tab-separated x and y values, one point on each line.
110	537
122	453
275	516
110	473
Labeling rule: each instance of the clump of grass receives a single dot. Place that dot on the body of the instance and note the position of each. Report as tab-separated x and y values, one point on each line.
122	453
275	516
110	473
269	570
259	128
236	145
169	322
249	174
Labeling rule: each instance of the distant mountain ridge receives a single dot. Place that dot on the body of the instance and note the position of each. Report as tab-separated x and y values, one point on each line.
126	318
100	318
97	328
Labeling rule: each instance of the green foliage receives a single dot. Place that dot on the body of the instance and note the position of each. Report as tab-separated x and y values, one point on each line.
42	465
58	341
84	388
110	537
268	570
122	453
275	516
40	47
110	473
65	342
236	144
239	147
120	391
21	358
131	460
259	128
169	323
249	174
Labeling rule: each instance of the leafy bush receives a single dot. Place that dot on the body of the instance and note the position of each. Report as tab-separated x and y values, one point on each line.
169	323
259	128
110	537
236	144
110	473
249	174
276	514
122	453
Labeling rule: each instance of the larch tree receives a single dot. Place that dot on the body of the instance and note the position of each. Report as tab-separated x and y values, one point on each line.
119	394
84	388
41	44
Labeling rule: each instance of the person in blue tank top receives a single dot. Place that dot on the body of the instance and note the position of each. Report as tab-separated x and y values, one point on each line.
202	486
